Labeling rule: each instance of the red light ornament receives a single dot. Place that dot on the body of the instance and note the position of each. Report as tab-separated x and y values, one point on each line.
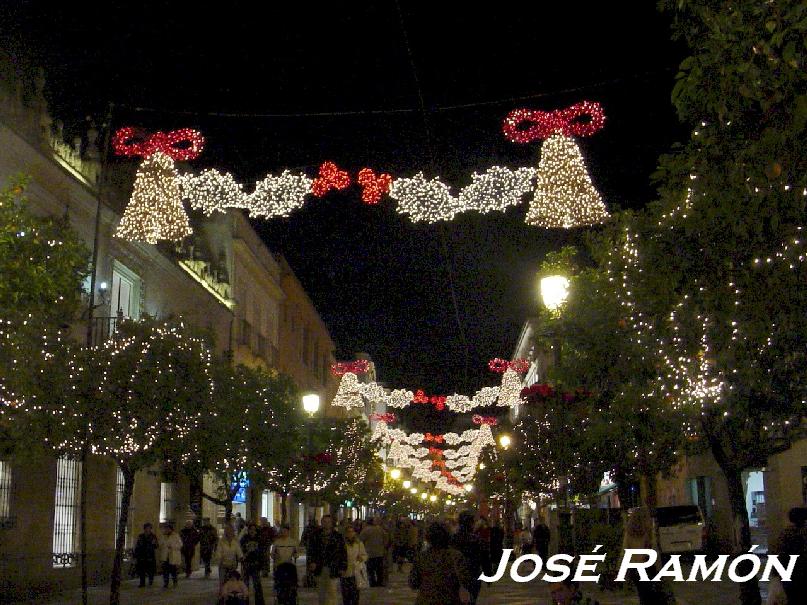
330	177
340	368
180	145
500	366
527	125
485	420
387	418
373	186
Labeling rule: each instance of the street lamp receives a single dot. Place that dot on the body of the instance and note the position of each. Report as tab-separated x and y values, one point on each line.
413	491
407	484
395	474
311	403
423	496
433	498
469	487
311	406
504	441
554	291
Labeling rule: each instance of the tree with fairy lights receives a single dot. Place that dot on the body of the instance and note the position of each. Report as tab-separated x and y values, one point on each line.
245	431
134	399
713	273
357	473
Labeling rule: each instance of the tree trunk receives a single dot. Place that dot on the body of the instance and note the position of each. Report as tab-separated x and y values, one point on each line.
120	543
649	489
741	529
284	516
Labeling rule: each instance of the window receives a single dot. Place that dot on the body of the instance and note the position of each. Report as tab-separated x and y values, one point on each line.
5	493
268	505
315	357
167	502
119	483
125	295
325	369
66	511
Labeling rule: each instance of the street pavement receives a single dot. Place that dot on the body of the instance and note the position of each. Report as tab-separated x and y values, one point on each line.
200	591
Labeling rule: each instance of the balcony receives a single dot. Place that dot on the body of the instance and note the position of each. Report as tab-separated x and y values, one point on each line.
258	344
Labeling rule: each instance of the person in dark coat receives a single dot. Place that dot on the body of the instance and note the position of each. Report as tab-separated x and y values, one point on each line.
540	540
145	554
253	562
327	560
476	553
440	574
793	541
496	541
190	538
208	539
308	533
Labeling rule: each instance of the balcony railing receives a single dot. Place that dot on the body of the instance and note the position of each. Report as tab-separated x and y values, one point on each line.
258	344
104	328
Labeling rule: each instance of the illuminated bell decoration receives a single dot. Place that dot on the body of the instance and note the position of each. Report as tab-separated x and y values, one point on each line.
155	211
349	393
564	195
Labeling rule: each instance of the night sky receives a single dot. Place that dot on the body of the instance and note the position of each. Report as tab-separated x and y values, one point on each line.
382	284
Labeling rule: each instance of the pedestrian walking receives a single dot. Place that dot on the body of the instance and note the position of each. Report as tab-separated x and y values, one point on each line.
253	561
374	539
190	538
145	555
354	578
639	533
228	553
793	541
496	541
284	557
400	542
233	591
208	539
540	540
415	544
308	533
440	574
267	535
474	551
327	559
170	554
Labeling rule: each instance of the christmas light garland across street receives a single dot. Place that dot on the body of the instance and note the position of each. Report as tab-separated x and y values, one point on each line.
563	193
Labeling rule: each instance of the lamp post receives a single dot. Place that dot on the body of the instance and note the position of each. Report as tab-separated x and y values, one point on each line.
505	442
554	292
311	406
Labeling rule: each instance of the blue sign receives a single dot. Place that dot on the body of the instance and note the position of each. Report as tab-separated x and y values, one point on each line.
241	494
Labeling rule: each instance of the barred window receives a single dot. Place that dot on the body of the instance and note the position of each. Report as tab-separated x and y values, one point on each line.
119	484
5	491
66	510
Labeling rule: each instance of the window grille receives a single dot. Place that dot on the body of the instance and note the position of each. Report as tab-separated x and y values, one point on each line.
66	511
5	493
119	484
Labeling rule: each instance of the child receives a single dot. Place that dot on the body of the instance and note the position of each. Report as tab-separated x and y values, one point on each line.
234	591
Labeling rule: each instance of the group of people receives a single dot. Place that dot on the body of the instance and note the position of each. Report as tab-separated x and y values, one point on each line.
243	556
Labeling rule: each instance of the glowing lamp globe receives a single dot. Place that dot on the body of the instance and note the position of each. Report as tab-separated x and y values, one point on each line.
395	474
423	496
554	291
505	441
414	490
407	484
311	403
433	498
469	487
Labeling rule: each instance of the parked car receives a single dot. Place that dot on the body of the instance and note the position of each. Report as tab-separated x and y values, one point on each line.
681	529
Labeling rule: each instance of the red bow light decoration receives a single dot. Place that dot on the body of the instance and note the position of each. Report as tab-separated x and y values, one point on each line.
180	145
388	418
527	125
373	186
438	401
434	438
323	458
330	177
500	366
340	368
485	420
